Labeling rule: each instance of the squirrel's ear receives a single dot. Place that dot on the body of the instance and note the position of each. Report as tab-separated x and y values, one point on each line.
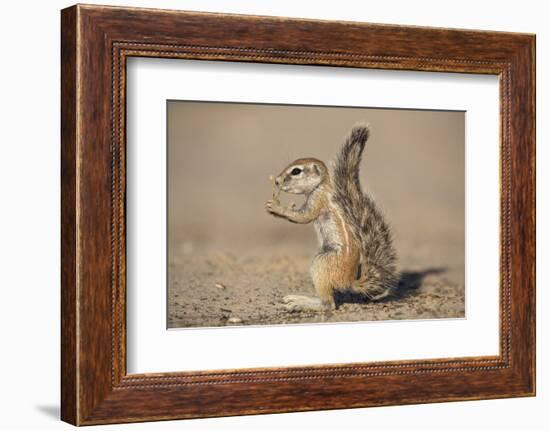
316	169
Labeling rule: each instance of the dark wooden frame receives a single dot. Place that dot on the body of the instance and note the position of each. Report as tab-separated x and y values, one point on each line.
95	43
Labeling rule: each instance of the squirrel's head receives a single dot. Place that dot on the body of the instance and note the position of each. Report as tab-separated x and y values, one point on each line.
302	176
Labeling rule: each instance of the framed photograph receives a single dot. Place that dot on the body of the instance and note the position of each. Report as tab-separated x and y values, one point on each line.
263	214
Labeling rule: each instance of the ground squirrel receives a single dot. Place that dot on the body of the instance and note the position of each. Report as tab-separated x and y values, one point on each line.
356	253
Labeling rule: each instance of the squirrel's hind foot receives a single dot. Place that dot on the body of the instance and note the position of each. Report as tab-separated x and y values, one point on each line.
295	303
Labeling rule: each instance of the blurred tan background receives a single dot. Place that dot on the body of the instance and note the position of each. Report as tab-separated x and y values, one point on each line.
221	154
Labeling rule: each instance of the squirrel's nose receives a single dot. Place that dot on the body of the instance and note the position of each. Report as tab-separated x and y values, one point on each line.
278	181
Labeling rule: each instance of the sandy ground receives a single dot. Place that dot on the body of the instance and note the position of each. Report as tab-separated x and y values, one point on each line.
222	289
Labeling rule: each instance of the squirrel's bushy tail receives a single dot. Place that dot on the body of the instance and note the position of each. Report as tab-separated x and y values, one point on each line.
378	270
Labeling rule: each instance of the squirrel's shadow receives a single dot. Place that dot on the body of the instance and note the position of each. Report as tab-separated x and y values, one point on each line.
409	281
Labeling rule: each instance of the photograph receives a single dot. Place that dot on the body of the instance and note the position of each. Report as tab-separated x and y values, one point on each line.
297	214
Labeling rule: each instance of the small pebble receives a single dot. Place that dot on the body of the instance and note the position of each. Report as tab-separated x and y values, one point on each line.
234	320
220	286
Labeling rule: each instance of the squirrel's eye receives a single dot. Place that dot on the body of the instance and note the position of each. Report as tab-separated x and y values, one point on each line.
296	171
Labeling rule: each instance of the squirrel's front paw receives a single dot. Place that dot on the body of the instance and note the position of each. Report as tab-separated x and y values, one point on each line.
274	207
